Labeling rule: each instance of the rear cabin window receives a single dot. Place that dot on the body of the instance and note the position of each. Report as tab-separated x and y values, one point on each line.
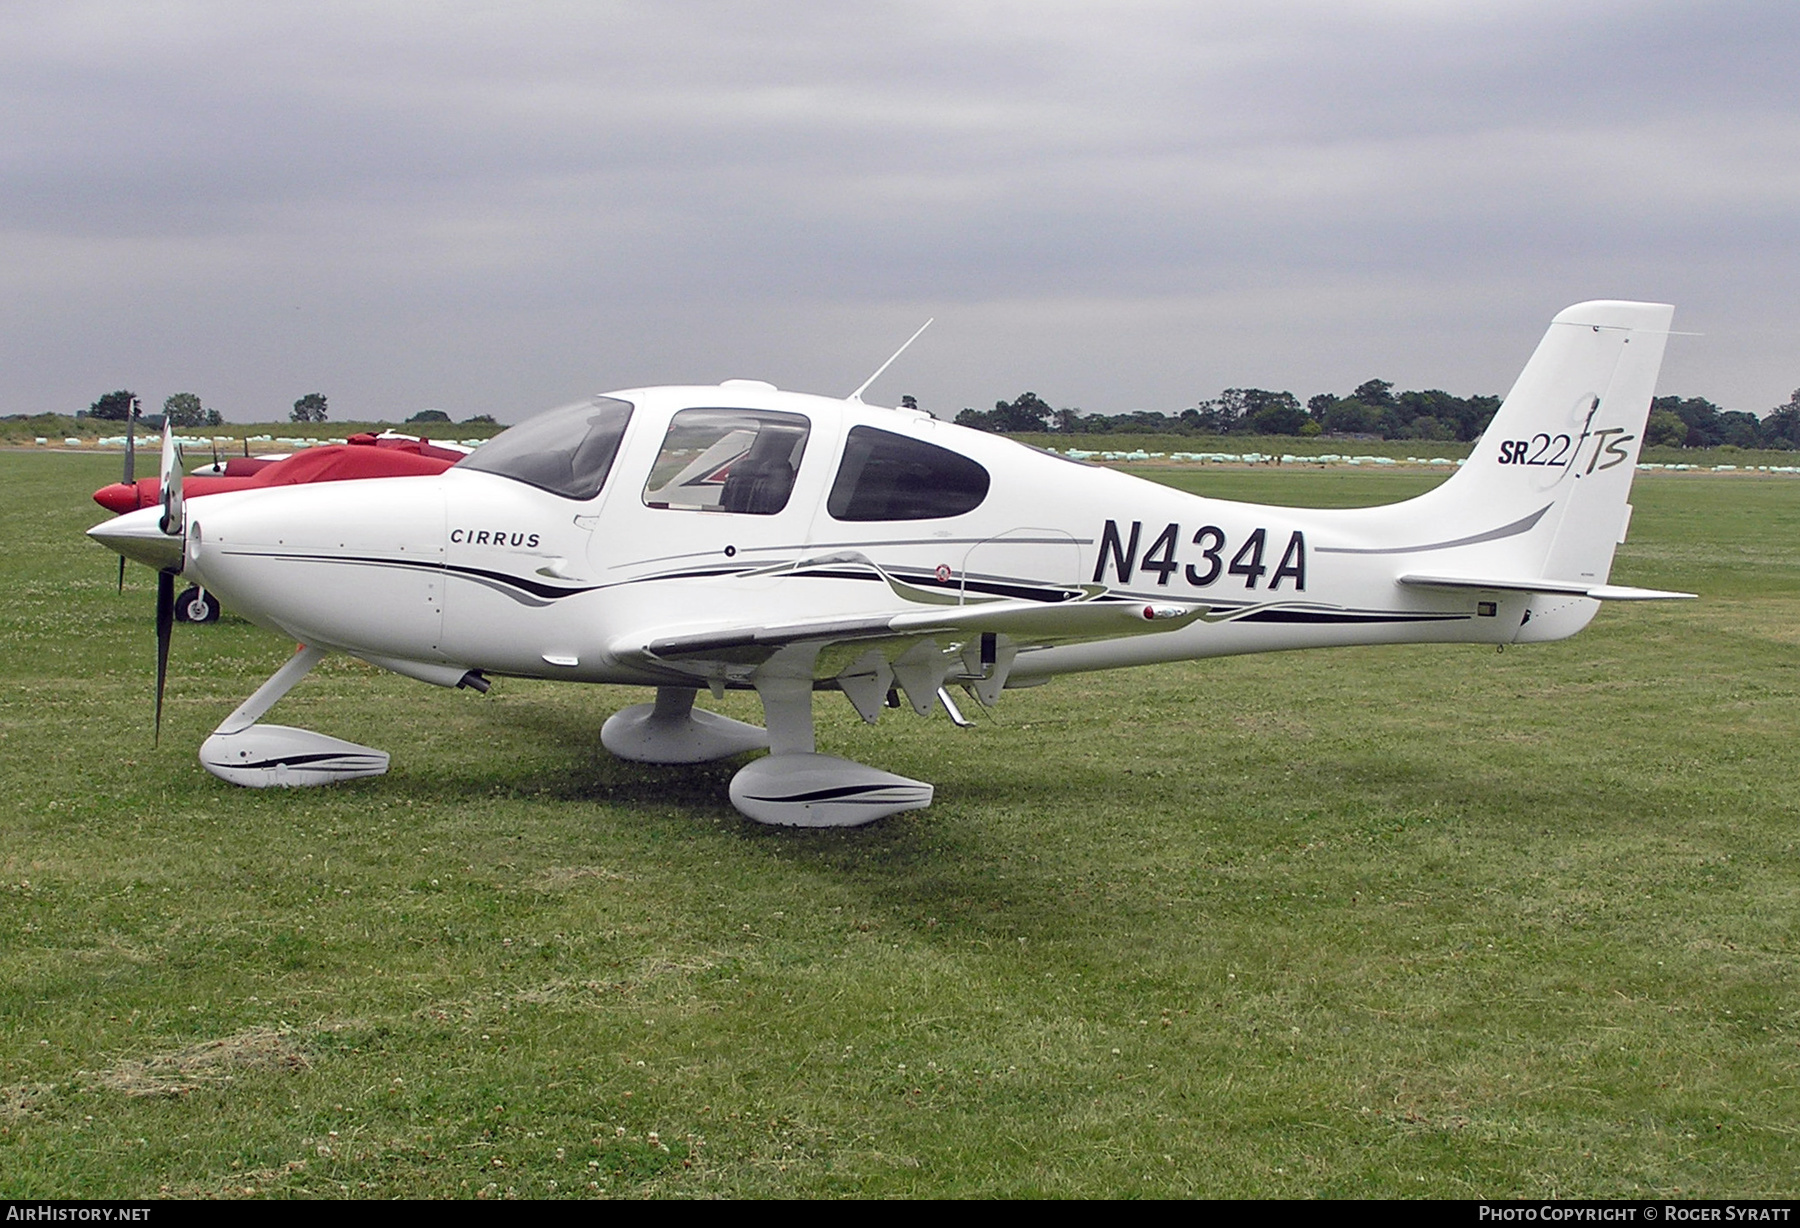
728	460
567	451
894	477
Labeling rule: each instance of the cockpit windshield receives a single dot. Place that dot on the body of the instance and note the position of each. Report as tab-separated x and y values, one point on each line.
567	451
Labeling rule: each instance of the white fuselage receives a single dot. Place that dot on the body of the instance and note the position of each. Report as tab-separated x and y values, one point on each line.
473	570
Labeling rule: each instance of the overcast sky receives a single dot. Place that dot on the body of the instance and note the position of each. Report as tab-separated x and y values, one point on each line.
495	207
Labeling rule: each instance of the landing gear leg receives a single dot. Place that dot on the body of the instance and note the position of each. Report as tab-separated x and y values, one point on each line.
258	756
795	787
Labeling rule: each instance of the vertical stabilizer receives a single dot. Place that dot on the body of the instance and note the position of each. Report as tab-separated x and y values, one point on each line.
1560	454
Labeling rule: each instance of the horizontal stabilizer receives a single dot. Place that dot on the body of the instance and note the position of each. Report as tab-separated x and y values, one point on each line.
1573	588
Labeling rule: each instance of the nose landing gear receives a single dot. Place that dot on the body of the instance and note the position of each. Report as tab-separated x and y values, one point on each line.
196	605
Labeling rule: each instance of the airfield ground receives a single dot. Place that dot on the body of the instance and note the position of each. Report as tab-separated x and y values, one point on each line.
1375	922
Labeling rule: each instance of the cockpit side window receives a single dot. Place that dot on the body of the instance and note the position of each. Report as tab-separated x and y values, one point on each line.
728	460
886	476
567	451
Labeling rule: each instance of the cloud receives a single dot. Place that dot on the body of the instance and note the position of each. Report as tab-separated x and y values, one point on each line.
453	204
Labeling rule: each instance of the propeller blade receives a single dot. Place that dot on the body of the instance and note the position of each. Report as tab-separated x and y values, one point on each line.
130	478
131	415
165	626
173	522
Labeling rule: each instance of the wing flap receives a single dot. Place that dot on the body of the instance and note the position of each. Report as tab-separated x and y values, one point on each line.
1026	623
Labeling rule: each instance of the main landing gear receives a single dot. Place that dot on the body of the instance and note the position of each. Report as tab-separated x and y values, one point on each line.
793	786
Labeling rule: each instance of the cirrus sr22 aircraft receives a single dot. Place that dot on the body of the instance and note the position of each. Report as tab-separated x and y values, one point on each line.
736	537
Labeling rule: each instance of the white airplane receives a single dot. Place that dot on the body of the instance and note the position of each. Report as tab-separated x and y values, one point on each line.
737	537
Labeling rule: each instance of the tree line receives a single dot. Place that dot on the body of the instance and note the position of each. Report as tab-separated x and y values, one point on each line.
185	409
1373	410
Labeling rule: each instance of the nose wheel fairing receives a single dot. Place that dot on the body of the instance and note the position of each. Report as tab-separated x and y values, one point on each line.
263	756
272	756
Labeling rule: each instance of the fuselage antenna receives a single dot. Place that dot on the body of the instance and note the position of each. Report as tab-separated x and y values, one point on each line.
857	395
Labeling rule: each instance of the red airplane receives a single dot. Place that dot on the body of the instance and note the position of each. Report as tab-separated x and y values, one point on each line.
362	456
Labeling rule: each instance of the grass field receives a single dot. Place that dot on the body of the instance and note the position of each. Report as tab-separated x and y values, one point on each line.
1379	922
